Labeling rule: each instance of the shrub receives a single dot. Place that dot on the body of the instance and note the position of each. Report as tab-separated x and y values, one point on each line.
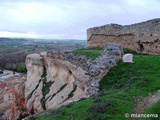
21	68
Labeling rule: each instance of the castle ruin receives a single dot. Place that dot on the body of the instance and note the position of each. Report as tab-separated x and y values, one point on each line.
142	37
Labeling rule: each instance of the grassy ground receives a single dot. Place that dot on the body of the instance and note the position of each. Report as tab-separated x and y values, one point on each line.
90	52
119	92
155	109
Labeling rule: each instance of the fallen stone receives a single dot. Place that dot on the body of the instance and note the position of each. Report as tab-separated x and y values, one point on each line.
127	58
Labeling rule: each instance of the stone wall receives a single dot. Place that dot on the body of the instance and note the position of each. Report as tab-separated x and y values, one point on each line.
142	37
58	78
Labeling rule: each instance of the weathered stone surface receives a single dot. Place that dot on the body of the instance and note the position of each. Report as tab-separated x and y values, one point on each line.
142	37
34	101
58	78
127	58
34	65
64	73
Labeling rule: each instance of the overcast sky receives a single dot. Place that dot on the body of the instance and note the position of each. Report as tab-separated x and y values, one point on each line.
65	19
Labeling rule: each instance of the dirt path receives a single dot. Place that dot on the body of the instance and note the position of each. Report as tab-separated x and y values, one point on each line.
147	102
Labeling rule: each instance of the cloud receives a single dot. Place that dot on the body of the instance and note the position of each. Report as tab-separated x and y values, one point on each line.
142	6
32	12
15	34
39	36
71	18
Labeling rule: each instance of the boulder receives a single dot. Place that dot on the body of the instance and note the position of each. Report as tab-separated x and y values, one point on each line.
128	58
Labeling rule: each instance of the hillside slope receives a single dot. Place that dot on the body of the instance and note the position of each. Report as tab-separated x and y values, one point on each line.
120	91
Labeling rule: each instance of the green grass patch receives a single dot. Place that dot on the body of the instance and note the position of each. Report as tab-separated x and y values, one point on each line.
155	109
90	52
69	112
129	51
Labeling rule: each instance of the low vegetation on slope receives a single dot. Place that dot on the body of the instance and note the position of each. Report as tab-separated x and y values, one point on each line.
120	90
90	52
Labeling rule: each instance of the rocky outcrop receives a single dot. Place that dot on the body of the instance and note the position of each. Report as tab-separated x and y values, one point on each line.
58	78
142	37
18	109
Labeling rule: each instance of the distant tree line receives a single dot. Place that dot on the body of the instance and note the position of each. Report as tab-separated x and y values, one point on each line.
14	62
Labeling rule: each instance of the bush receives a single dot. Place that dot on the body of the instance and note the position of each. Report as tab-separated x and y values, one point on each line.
21	68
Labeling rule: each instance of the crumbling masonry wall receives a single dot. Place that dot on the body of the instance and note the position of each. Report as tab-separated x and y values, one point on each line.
142	37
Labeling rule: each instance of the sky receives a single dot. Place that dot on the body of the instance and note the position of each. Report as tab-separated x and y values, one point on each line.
69	19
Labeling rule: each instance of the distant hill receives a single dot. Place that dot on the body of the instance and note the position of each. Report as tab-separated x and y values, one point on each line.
9	39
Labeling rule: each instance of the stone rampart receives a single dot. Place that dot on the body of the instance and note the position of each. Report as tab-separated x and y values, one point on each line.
142	37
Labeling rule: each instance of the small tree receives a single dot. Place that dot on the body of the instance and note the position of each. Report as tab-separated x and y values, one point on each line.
21	68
